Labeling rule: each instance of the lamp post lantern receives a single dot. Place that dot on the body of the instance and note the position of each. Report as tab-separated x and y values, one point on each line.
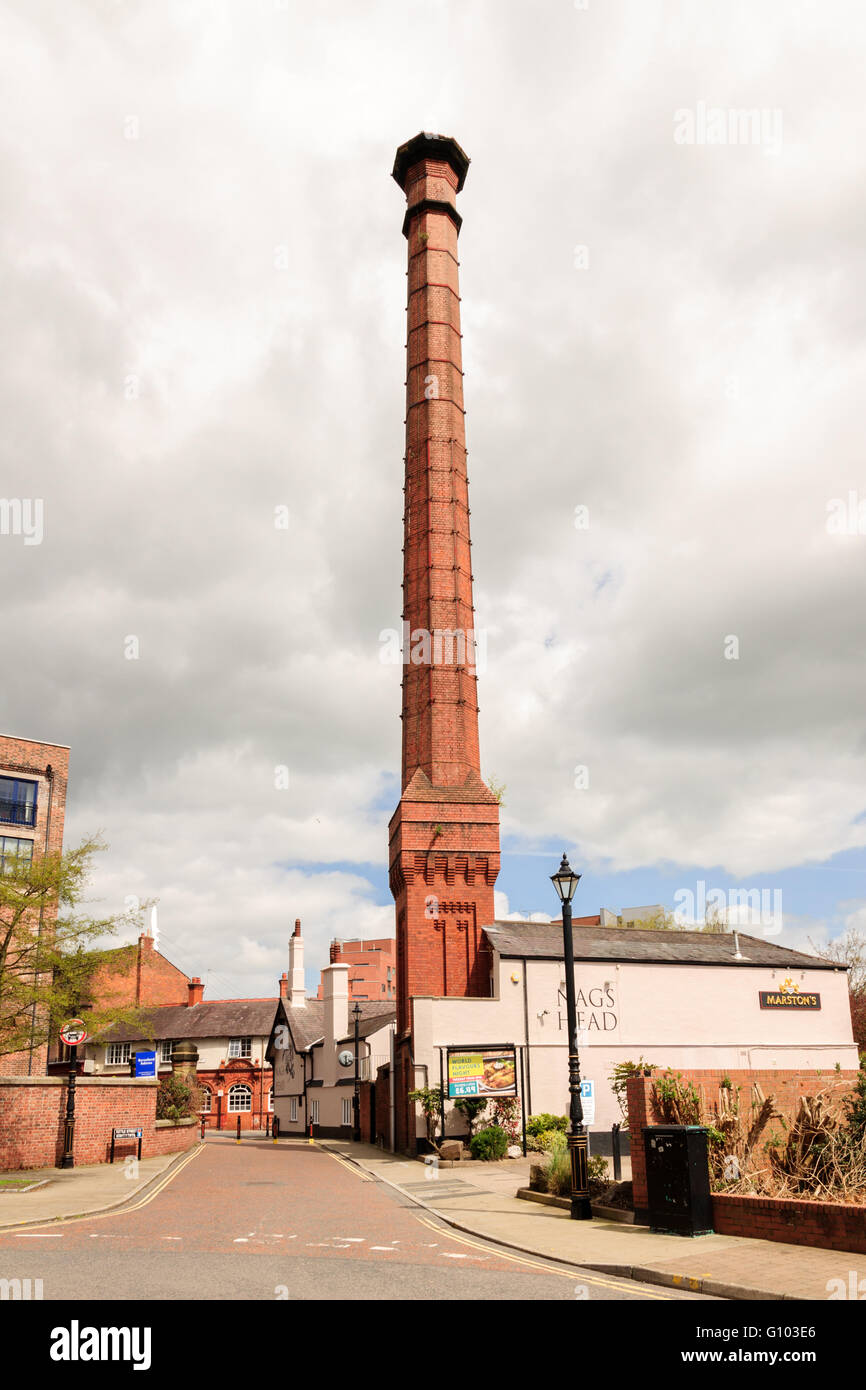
356	1098
565	881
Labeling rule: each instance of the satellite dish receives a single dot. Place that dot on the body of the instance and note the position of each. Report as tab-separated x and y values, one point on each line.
346	1058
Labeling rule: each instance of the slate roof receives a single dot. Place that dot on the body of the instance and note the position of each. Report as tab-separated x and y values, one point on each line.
543	940
220	1018
308	1024
372	1023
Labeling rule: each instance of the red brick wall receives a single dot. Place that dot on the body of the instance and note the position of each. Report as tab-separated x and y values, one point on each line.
33	1110
785	1086
369	963
138	975
22	758
239	1072
828	1225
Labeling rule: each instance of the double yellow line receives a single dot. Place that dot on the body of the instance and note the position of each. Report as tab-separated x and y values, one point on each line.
122	1210
579	1277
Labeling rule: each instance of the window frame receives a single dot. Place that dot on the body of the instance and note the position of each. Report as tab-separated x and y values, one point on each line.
240	1049
238	1089
126	1050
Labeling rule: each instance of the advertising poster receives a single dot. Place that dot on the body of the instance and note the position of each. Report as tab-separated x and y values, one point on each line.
482	1072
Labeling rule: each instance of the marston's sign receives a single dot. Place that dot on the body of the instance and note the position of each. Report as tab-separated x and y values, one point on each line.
776	999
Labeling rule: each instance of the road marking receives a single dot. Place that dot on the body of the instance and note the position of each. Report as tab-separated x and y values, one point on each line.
579	1277
136	1206
36	1235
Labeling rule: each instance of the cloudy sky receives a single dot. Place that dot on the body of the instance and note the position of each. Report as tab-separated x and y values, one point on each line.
203	287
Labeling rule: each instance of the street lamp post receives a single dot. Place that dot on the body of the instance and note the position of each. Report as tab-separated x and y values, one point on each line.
356	1098
68	1159
565	881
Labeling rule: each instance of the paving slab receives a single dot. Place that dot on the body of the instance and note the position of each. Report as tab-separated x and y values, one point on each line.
734	1267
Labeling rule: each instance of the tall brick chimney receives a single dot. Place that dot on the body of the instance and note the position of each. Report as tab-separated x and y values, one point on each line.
196	991
444	835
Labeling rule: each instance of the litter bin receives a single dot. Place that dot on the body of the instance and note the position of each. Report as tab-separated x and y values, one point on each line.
678	1179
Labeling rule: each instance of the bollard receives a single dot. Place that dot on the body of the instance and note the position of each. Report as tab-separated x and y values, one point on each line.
268	1128
239	1129
276	1130
617	1153
202	1128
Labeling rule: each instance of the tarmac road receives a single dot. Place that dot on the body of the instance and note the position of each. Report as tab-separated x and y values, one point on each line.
287	1222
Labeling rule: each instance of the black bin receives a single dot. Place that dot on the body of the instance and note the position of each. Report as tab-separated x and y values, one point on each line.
678	1179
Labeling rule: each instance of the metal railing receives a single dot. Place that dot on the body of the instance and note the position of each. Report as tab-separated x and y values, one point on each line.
17	812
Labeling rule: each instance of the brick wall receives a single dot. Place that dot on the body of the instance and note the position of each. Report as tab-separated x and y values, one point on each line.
33	1111
786	1087
828	1225
138	975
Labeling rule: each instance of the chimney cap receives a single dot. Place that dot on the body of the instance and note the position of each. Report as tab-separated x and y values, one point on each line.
428	146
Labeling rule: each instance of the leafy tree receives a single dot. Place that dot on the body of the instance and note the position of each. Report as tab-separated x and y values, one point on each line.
850	949
47	950
432	1102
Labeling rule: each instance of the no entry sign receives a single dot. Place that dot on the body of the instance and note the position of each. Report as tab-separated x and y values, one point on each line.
73	1032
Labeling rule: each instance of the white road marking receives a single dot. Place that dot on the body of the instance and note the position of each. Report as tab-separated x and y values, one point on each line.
171	1237
389	1248
39	1235
351	1240
240	1240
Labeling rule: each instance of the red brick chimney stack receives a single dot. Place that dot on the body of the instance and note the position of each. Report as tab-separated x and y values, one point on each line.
284	985
444	835
196	991
336	952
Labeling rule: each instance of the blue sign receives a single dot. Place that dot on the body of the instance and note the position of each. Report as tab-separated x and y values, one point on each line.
145	1064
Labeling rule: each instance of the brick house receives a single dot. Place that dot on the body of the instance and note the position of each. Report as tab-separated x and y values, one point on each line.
33	781
231	1036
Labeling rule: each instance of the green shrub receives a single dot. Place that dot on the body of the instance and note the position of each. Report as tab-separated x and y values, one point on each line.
597	1171
471	1108
557	1168
540	1124
177	1099
489	1144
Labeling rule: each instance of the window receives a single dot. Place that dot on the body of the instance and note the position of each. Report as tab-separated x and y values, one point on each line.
347	1112
240	1098
240	1047
17	801
314	1112
293	1108
117	1054
165	1049
14	852
271	1101
205	1100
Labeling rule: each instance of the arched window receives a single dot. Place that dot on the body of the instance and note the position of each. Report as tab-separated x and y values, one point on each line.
205	1100
240	1098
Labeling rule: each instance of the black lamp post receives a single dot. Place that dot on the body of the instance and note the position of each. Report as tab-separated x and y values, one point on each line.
68	1159
565	881
356	1098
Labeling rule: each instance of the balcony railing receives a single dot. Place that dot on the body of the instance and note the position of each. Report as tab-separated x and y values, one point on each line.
17	812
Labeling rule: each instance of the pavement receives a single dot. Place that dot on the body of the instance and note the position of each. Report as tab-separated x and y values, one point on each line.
82	1191
479	1198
